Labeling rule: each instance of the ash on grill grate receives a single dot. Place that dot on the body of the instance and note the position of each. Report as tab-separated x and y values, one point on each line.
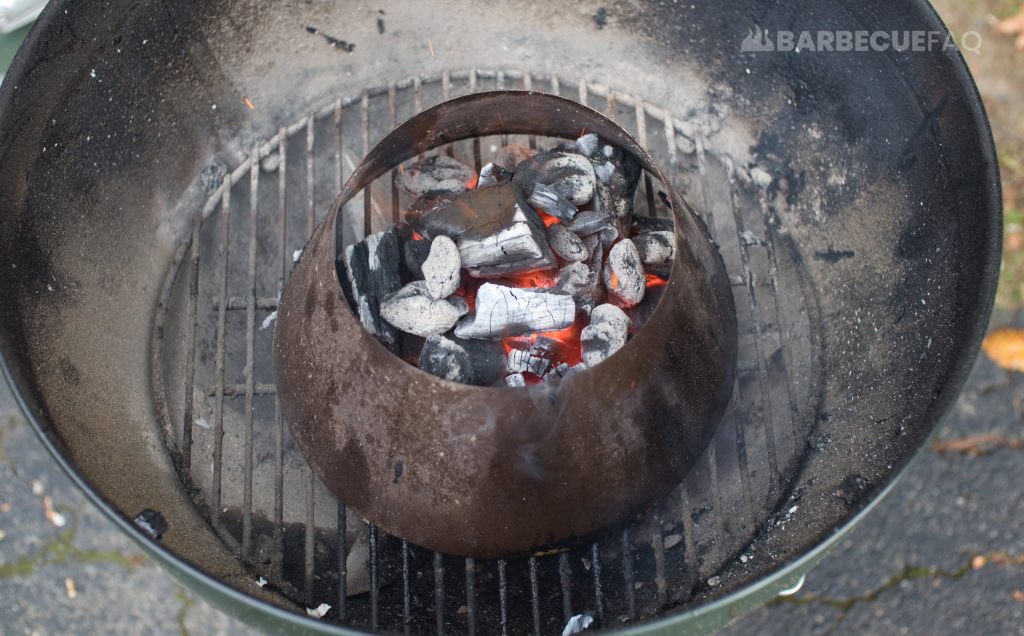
530	248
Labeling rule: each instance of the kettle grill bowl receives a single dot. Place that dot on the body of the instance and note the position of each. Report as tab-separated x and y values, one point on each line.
881	223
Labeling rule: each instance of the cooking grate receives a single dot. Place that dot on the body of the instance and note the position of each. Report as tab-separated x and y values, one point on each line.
215	388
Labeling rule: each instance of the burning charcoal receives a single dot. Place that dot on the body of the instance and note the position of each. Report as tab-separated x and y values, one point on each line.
412	309
509	311
583	280
414	254
547	199
515	380
491	175
488	358
372	271
512	155
447	360
522	361
496	231
656	251
565	244
563	370
589	222
608	235
624	275
435	175
443	267
618	175
567	173
606	334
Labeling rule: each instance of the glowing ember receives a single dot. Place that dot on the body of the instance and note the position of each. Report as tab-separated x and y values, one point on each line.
537	280
547	218
471	184
655	281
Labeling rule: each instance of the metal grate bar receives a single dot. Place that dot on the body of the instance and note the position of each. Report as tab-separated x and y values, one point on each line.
374	578
236	303
658	547
773	277
689	546
528	85
310	176
250	351
438	593
583	92
406	589
343	562
476	140
417	92
446	94
503	595
628	577
756	332
236	390
282	231
190	347
309	564
364	107
218	419
565	582
595	569
535	595
471	594
393	112
555	88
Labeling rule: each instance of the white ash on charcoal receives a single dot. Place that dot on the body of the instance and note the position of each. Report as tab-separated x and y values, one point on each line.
372	272
446	359
509	311
543	197
617	177
491	175
442	271
566	245
563	370
624	275
656	250
413	310
582	280
607	333
566	173
523	361
435	175
589	222
510	156
515	380
496	231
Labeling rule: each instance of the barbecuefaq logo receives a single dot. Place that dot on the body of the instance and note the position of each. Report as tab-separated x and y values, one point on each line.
760	40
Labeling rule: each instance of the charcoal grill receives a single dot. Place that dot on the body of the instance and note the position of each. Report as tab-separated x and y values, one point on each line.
163	165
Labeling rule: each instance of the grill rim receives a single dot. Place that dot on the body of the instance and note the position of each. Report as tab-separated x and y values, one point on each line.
248	607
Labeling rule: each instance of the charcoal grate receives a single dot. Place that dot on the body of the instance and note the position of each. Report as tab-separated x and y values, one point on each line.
233	452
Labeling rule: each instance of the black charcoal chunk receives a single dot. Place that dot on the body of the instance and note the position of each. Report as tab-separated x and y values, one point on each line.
567	173
152	523
414	254
412	309
488	358
442	270
547	199
617	177
640	314
446	359
372	271
606	334
509	311
435	175
493	174
515	380
496	230
566	244
623	275
656	250
589	222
